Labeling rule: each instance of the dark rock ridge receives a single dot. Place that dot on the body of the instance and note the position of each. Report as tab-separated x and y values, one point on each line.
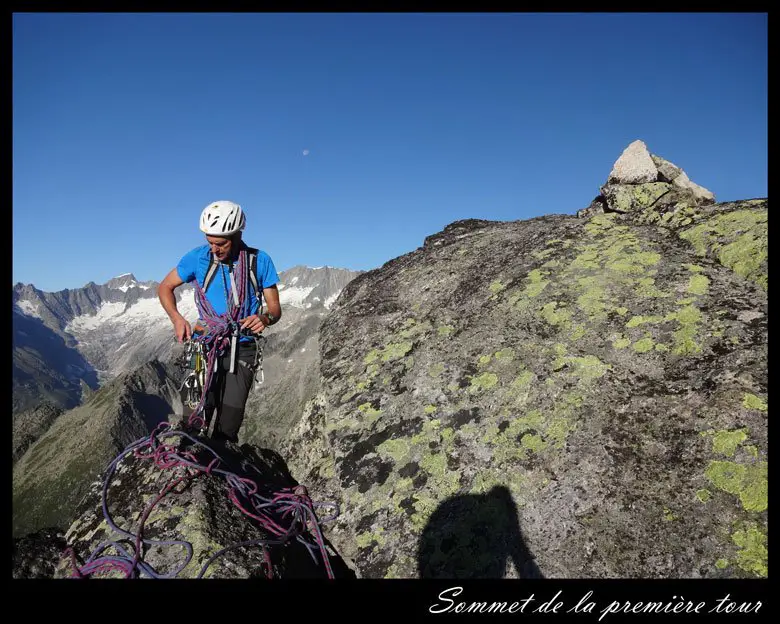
44	368
31	425
52	475
563	396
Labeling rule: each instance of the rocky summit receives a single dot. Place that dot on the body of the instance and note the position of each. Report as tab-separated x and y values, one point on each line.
565	396
568	396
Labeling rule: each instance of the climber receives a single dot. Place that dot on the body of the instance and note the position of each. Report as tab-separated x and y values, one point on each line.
235	320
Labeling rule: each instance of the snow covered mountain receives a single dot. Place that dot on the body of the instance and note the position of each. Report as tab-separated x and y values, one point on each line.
306	287
66	340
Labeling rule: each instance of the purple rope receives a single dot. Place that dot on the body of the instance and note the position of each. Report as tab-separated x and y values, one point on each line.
294	502
219	329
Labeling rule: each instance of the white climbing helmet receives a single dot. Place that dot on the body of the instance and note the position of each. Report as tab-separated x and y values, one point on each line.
222	218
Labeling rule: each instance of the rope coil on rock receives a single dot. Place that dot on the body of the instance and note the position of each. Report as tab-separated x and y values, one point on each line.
269	511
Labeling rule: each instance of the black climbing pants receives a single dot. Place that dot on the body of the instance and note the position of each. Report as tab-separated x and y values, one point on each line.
228	392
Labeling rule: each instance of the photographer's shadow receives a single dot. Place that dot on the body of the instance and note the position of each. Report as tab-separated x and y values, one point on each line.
475	536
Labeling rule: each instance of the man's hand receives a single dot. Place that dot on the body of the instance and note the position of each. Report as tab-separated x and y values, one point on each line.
182	329
254	323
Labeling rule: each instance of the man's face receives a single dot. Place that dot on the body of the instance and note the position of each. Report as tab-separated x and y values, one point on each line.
220	247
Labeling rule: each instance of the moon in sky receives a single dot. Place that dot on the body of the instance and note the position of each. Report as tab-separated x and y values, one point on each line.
305	152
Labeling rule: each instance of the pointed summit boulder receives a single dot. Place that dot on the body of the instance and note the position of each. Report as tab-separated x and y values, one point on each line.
635	166
642	183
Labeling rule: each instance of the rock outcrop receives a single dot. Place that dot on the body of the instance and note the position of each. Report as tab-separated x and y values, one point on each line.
30	425
561	397
641	181
36	555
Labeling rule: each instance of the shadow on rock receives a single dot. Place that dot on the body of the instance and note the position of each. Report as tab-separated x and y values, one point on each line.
36	554
475	536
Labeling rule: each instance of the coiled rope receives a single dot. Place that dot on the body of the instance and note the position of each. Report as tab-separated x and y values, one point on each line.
286	514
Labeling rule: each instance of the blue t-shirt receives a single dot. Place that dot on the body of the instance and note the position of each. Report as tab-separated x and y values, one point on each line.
195	264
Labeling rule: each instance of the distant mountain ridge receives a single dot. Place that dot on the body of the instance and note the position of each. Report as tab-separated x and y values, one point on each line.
70	342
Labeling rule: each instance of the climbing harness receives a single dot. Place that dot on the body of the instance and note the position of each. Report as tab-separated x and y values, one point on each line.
194	362
214	264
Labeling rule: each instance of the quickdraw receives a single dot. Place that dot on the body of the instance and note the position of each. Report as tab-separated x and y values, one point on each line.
194	361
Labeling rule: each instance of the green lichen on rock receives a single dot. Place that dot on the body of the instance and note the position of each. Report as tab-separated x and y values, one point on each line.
621	342
726	442
752	556
496	286
435	370
635	197
751	401
643	346
635	321
395	351
533	442
722	564
703	495
536	283
483	382
520	387
389	353
370	414
505	354
445	330
587	368
412	329
553	316
688	318
399	449
737	239
748	482
378	537
698	284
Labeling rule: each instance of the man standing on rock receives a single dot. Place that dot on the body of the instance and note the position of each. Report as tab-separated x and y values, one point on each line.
214	267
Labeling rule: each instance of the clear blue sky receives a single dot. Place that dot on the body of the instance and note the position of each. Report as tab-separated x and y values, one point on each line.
127	125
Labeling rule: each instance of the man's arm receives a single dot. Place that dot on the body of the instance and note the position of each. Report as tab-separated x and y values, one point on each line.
271	295
168	300
258	322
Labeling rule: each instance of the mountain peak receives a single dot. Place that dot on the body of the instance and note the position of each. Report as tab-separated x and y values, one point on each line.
122	282
126	277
